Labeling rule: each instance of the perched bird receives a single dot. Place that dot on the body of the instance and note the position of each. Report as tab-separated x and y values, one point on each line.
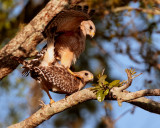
66	35
56	78
67	32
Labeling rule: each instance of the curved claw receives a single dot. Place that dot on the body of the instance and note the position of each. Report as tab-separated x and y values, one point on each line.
51	102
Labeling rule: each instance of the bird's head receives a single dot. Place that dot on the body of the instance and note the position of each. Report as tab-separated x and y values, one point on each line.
88	28
85	75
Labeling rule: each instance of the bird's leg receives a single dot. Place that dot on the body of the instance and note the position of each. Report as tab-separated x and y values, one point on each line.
76	75
51	100
67	95
67	57
47	91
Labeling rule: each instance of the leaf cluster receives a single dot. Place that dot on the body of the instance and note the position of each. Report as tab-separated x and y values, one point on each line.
103	87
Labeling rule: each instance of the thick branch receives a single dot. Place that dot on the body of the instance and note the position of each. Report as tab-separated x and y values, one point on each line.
81	96
24	43
146	104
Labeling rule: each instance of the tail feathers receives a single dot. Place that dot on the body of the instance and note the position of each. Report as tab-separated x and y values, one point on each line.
85	9
26	65
25	72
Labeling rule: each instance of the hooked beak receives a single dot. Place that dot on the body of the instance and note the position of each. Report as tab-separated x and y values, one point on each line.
91	78
92	34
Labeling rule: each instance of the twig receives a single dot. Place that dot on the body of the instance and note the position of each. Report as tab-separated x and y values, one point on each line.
129	81
149	11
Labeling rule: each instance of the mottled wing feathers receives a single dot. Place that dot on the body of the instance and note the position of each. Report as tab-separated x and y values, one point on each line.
58	77
55	76
36	61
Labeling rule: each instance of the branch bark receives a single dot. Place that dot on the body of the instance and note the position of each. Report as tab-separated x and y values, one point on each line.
125	86
153	11
24	43
81	96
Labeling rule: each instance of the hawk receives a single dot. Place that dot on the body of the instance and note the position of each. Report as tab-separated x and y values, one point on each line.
56	78
67	32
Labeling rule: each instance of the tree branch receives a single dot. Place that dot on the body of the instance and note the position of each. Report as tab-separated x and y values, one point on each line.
84	95
24	43
125	86
153	11
141	93
146	104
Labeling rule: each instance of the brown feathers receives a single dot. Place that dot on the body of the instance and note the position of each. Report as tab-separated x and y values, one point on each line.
69	29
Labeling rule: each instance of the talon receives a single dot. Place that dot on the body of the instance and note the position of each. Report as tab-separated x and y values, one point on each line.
67	96
73	73
51	102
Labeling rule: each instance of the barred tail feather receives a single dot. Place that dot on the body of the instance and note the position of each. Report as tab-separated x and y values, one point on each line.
25	64
25	72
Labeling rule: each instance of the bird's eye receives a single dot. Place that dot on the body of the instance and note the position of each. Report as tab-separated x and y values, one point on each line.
86	74
91	27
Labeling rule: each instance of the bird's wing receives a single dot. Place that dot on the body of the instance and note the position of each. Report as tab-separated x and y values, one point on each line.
36	61
60	78
68	20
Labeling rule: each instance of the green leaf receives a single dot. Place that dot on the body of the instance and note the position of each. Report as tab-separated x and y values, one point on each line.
102	81
100	84
114	83
102	78
97	87
98	76
100	95
106	92
105	83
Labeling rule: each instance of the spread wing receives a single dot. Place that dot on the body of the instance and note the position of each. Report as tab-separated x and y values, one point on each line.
68	20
